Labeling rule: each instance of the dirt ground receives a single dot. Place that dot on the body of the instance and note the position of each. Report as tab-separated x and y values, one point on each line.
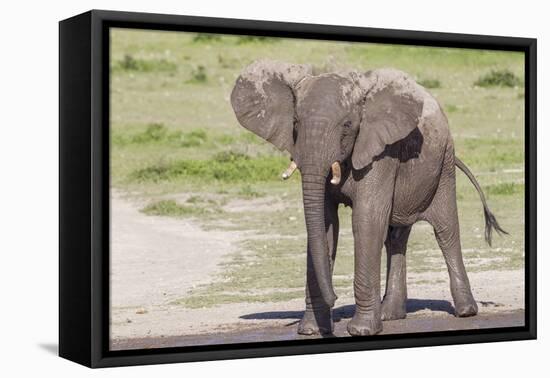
156	259
412	324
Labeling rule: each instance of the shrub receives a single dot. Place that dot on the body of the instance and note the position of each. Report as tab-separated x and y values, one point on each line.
430	83
198	75
153	133
193	138
129	63
502	78
225	62
158	133
230	156
254	38
170	208
206	37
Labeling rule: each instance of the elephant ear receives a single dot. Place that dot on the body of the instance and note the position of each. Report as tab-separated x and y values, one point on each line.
392	110
263	100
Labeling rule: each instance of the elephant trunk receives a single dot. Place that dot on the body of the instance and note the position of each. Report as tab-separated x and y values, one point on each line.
313	188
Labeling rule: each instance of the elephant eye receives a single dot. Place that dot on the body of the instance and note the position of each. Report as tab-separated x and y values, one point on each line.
346	131
294	122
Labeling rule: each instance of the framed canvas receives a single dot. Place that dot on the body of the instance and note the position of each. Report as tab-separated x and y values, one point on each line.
210	169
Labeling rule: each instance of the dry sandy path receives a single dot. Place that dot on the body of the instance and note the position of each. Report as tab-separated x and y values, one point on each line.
155	260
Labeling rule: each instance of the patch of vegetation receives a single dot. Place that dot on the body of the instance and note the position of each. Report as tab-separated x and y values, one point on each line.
129	63
490	153
430	83
256	276
224	166
450	108
500	78
198	75
216	299
196	199
225	62
154	132
230	156
248	192
193	138
207	37
226	139
506	189
171	208
254	38
160	134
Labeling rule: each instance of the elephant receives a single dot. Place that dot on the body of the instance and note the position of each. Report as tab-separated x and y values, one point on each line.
378	142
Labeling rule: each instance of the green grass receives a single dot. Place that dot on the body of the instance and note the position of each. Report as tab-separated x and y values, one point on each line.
502	78
430	83
199	199
450	108
206	37
490	154
129	64
170	208
225	166
506	189
198	75
248	191
195	206
220	298
159	134
173	131
255	39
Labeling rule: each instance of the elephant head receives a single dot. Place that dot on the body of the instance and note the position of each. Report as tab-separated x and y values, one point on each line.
323	121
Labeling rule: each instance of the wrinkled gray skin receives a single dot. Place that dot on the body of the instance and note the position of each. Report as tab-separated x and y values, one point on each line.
398	167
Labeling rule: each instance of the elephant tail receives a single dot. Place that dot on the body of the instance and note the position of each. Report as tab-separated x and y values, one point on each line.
490	220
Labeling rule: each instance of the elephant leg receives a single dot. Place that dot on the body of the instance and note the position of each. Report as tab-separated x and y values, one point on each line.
448	238
369	237
370	225
317	317
443	216
395	298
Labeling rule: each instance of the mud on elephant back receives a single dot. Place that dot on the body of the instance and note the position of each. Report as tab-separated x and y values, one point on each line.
376	141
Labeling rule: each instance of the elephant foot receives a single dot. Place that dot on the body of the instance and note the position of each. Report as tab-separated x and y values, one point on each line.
360	325
316	322
466	308
393	309
465	305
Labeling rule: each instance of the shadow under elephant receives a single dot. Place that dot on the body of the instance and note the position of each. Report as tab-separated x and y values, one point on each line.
346	312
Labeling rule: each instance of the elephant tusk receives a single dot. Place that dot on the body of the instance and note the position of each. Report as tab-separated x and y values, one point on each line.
289	171
336	173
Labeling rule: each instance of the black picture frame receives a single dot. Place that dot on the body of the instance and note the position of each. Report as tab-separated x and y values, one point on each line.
84	187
